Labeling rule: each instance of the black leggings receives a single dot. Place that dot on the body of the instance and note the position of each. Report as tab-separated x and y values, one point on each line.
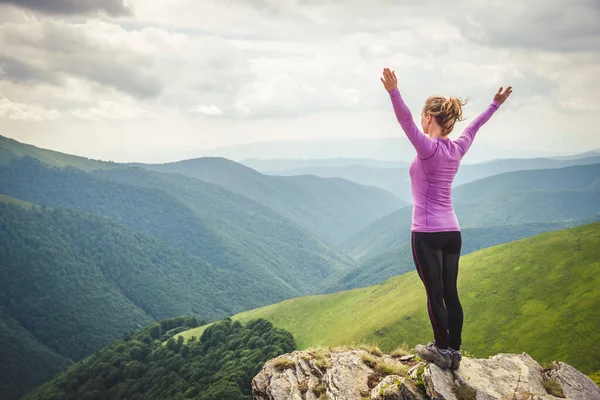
436	258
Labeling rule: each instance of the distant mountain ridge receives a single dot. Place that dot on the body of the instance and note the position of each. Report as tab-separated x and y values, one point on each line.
282	164
333	208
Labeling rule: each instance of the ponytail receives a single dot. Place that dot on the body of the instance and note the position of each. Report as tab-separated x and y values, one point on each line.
446	111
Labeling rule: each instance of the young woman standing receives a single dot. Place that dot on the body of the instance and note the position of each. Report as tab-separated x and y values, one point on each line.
436	237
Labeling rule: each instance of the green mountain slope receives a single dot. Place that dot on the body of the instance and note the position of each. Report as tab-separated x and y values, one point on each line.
227	230
580	177
11	149
25	362
71	282
52	290
473	172
381	236
332	209
529	206
537	295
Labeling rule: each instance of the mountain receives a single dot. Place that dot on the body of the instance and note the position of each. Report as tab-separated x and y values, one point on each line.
90	255
394	180
25	362
506	199
536	295
581	177
382	235
229	231
469	173
71	282
11	149
591	153
281	164
332	209
530	206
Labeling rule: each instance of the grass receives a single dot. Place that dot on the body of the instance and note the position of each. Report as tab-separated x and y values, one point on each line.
419	382
512	295
464	392
385	369
595	376
319	389
323	363
303	386
369	360
197	332
553	387
402	350
10	200
283	363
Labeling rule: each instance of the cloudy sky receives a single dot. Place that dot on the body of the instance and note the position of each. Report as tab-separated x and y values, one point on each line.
147	80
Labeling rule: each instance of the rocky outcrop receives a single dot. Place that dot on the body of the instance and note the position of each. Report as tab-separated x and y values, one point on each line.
360	374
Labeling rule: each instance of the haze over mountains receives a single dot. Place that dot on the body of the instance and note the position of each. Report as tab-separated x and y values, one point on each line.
385	149
90	249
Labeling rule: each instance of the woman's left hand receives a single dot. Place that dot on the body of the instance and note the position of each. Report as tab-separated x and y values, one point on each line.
501	96
389	79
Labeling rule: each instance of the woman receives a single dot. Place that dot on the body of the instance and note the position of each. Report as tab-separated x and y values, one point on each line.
436	236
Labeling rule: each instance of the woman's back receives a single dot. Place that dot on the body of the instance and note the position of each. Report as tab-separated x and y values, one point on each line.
431	184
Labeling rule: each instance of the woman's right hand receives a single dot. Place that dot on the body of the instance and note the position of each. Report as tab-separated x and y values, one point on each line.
389	79
501	96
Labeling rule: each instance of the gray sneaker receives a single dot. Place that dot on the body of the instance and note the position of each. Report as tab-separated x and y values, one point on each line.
456	358
431	353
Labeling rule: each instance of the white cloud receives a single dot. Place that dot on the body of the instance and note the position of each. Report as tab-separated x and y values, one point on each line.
577	104
106	109
25	112
208	110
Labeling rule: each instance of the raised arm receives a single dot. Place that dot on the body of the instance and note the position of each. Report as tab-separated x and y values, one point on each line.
424	146
466	139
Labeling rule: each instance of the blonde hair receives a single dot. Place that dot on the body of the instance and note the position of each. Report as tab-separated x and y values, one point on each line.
446	111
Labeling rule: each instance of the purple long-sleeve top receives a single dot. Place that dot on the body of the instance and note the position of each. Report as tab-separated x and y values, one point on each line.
433	169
